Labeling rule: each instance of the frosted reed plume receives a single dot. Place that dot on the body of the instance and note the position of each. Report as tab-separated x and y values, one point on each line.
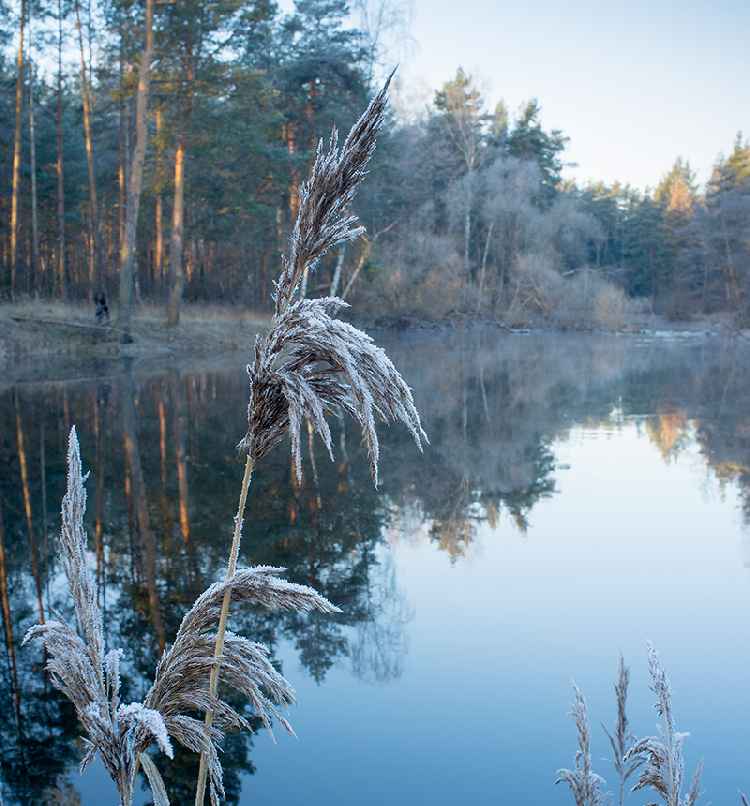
181	684
664	770
310	364
77	662
622	740
90	678
585	784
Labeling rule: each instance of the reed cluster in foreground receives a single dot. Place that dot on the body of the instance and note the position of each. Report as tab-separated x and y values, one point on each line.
659	758
309	365
89	676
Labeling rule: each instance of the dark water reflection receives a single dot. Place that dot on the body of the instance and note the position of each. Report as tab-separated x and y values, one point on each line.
159	443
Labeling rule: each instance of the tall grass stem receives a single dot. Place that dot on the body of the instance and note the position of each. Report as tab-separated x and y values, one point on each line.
213	685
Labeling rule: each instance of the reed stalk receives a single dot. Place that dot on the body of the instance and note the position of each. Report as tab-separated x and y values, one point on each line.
213	685
308	366
584	783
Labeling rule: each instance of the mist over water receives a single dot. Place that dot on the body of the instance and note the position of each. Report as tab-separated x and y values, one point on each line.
581	494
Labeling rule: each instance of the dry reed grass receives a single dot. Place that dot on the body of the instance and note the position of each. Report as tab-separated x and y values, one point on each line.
89	676
308	365
664	769
584	783
624	759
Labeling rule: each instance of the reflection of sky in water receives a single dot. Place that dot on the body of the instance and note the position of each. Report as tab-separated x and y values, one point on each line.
630	548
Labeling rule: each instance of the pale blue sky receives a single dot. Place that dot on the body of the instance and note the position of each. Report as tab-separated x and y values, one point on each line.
634	85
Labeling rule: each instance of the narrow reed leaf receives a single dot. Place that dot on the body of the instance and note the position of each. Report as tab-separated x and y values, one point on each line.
155	781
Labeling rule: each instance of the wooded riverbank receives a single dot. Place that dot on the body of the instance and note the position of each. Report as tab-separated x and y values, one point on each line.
47	328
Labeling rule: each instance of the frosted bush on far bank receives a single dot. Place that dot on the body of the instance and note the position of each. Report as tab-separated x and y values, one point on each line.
579	300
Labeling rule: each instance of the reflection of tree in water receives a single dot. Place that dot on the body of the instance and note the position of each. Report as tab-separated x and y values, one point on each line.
163	488
669	433
492	406
491	413
380	646
701	391
326	532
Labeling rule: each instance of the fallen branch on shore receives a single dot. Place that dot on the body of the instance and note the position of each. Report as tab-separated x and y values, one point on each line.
64	323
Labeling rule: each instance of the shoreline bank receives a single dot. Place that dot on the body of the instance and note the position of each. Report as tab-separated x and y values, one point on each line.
38	330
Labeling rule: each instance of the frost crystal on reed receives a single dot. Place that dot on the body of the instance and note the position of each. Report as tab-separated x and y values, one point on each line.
664	770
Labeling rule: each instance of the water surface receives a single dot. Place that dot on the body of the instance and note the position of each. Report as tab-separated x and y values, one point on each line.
580	495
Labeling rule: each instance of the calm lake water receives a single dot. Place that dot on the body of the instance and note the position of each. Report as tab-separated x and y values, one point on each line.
580	495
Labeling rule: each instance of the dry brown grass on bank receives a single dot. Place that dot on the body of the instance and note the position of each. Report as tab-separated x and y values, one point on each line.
49	327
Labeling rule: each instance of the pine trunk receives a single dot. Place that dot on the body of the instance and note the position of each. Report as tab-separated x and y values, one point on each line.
34	278
127	248
159	221
60	189
176	269
96	245
17	159
175	249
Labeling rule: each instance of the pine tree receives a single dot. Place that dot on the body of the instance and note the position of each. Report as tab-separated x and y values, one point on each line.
528	141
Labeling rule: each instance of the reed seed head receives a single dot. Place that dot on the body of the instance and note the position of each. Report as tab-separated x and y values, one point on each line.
310	364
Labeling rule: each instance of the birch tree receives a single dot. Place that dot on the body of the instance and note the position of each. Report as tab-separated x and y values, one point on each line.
461	105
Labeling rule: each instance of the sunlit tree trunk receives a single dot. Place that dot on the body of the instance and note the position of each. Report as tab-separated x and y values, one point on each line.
60	190
159	223
178	216
34	277
96	245
127	249
290	136
176	269
17	158
159	247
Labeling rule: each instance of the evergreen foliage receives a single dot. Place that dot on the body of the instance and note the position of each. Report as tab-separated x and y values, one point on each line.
467	211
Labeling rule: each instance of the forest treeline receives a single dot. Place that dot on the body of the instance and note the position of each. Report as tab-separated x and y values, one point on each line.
153	149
